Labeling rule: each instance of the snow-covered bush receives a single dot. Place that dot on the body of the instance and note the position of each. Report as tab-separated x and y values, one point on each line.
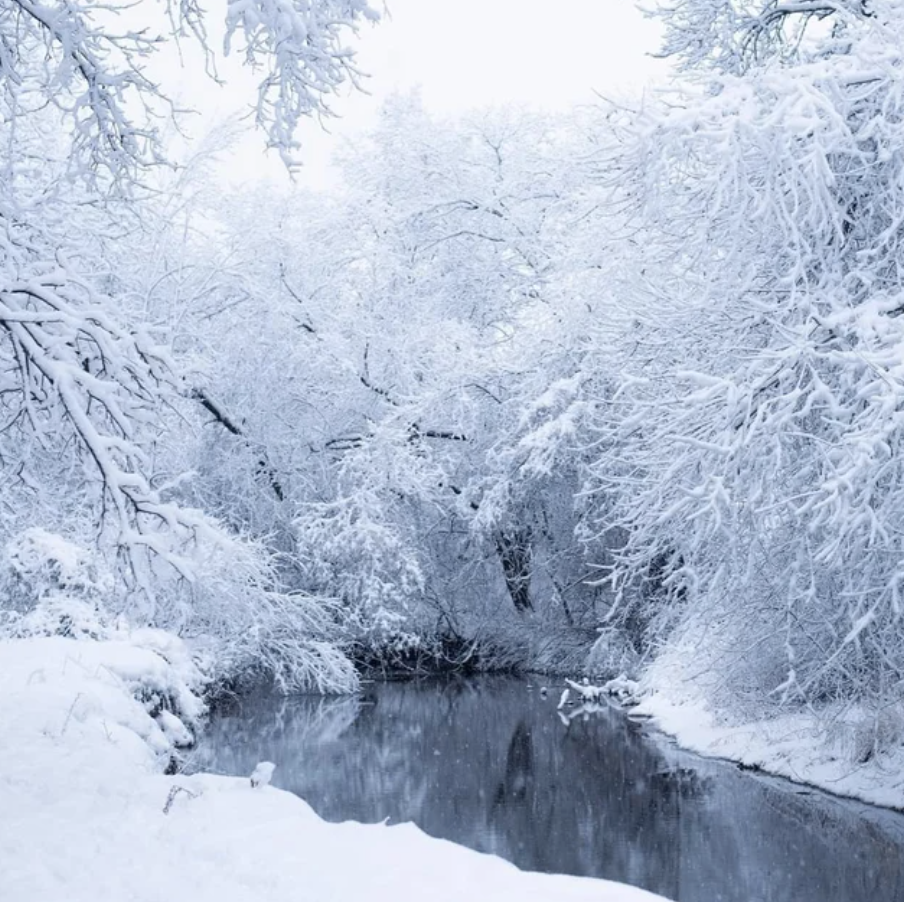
613	653
37	564
223	602
226	600
864	732
352	547
362	546
56	615
50	586
160	672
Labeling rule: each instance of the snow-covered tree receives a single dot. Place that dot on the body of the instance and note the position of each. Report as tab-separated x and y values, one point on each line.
92	63
385	376
754	442
86	378
734	35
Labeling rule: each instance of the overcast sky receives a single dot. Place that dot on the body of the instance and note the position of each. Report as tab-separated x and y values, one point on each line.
472	53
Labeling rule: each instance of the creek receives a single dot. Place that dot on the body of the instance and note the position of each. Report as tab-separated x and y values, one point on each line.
491	764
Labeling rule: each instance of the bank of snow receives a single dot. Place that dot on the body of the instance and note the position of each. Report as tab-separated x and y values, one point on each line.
823	748
86	727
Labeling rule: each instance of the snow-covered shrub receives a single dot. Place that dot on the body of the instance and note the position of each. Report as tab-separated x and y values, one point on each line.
351	548
157	670
612	654
228	604
51	586
868	731
57	615
54	587
222	598
37	564
362	546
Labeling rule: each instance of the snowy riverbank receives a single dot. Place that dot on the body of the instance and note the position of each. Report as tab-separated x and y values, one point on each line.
83	797
819	749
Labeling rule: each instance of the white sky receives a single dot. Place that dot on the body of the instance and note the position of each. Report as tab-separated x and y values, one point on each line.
472	53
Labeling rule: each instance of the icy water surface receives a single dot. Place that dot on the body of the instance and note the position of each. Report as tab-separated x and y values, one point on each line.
489	763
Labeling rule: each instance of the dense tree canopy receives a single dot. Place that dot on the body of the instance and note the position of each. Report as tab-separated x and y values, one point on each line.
85	376
526	385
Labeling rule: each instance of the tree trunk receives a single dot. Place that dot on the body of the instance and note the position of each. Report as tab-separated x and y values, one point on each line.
514	550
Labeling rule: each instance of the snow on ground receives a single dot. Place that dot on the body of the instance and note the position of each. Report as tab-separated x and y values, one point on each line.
82	801
818	748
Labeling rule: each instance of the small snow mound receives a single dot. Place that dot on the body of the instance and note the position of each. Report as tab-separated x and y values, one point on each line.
262	774
621	688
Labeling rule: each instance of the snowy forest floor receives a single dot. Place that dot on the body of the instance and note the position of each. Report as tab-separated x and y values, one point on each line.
827	749
83	801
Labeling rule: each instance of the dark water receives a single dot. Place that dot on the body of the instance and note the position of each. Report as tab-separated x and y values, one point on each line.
489	764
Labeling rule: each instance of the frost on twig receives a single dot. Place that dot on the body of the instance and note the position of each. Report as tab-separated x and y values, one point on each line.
174	793
733	35
75	374
69	713
90	63
300	45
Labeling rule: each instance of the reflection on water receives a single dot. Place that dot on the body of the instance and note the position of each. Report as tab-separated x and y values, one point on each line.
488	764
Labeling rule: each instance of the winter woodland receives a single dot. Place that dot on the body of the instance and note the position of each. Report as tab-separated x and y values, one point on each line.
618	390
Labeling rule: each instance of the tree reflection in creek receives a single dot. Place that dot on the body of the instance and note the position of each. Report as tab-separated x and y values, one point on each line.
488	764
